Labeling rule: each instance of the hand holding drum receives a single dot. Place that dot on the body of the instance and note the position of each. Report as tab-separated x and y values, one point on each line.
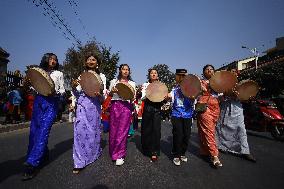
75	83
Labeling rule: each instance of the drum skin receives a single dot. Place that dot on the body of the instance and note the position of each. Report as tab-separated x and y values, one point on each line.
41	81
125	90
247	89
223	82
156	91
91	83
190	86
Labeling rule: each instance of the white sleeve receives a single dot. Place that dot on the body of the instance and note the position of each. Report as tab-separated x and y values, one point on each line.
134	87
144	87
58	80
61	83
172	95
111	85
79	88
103	78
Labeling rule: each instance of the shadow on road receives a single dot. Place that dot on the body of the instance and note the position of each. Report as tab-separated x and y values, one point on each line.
11	167
14	167
100	186
166	147
137	140
255	134
193	149
103	143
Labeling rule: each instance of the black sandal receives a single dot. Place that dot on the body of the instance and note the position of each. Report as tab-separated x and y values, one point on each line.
249	157
30	172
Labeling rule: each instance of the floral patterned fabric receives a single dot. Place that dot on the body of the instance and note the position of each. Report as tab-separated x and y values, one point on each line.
87	133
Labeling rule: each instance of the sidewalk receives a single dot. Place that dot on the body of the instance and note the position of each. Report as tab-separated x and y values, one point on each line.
22	125
12	127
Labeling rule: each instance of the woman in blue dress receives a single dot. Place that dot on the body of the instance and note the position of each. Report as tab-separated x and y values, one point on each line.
45	109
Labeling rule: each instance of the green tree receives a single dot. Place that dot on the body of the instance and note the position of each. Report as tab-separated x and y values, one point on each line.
75	59
109	65
165	75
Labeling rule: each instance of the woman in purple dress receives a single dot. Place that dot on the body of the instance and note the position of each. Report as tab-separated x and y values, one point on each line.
87	134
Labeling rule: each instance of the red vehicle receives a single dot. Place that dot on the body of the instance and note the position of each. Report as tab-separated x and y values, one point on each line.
263	116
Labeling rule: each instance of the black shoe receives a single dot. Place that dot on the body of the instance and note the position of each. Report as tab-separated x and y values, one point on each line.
249	157
30	172
223	151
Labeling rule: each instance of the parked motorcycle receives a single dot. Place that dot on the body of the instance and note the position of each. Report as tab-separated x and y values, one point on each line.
263	116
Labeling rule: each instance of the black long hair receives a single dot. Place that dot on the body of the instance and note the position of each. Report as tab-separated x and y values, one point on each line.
149	71
206	66
97	57
45	61
120	73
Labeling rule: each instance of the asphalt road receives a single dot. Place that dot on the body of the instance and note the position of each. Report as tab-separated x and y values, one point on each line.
138	171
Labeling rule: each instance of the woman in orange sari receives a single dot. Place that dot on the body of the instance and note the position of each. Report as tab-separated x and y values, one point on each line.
207	120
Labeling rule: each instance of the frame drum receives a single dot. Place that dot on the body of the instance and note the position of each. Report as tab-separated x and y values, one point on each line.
190	86
156	91
91	83
223	82
125	90
41	81
247	89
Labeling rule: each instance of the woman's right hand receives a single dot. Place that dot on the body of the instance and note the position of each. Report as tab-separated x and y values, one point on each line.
113	90
75	83
203	88
26	82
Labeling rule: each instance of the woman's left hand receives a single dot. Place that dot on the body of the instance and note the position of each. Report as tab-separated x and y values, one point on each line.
97	94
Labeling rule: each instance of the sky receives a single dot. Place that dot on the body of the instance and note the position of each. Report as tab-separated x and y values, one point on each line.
180	33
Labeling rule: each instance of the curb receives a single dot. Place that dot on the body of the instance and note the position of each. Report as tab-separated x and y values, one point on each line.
13	127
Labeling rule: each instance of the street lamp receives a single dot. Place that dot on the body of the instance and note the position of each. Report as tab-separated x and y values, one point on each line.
254	52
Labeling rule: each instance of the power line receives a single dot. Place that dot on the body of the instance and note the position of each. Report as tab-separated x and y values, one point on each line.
57	20
73	5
